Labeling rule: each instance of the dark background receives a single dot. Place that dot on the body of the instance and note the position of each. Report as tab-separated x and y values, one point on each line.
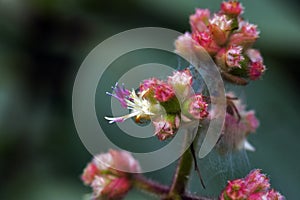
42	44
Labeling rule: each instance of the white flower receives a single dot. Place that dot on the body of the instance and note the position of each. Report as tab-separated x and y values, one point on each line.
138	105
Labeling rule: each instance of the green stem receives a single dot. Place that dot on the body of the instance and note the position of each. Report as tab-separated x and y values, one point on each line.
180	179
182	172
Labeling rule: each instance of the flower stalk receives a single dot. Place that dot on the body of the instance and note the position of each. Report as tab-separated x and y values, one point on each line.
147	185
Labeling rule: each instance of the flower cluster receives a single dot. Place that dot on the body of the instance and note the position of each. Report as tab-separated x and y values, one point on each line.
109	174
239	123
166	103
228	39
255	186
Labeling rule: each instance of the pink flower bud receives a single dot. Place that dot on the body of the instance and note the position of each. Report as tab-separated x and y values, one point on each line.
89	173
234	56
163	92
123	161
98	184
181	82
119	163
256	69
184	45
274	195
220	28
205	39
245	36
116	189
256	66
199	20
181	78
234	190
254	186
110	187
249	30
222	22
103	161
257	182
233	8
149	84
166	127
198	107
109	174
195	107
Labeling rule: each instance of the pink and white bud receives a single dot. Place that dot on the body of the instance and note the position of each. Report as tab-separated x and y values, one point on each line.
109	174
181	78
161	90
117	162
249	30
234	190
89	173
98	185
195	107
199	20
274	195
234	56
166	127
256	68
232	8
149	84
116	189
103	161
254	186
222	22
184	46
205	39
257	182
181	81
245	36
123	161
220	28
110	188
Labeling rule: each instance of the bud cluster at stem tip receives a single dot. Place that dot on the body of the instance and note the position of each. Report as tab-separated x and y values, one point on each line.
255	186
228	38
110	174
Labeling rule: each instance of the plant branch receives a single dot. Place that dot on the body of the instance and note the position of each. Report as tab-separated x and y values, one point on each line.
150	186
158	189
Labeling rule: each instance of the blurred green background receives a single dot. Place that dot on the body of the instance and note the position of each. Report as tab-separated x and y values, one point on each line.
42	44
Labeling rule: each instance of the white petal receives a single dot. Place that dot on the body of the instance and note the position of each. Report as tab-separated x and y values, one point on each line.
248	146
